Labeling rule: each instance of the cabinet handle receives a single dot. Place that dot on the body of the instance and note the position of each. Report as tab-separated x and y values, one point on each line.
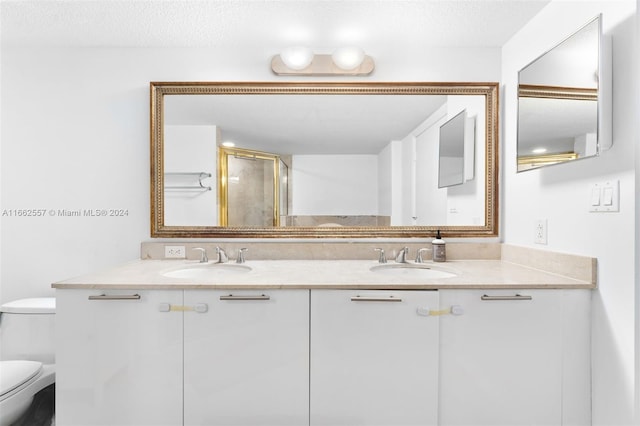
249	297
515	297
375	299
115	297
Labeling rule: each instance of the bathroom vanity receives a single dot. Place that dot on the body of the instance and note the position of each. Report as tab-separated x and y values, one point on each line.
325	342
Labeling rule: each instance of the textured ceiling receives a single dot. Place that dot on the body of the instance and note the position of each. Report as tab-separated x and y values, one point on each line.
268	23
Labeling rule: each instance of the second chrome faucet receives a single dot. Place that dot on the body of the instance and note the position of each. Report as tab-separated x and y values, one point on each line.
402	255
222	255
400	258
224	258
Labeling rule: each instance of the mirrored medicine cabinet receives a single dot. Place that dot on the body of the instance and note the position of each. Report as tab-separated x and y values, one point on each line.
564	101
321	160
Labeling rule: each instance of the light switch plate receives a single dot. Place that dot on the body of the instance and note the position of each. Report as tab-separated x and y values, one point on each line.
604	197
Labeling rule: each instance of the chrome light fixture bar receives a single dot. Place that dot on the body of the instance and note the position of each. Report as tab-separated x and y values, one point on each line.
302	61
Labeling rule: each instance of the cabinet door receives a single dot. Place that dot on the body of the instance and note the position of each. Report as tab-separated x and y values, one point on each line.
501	360
119	362
374	358
247	358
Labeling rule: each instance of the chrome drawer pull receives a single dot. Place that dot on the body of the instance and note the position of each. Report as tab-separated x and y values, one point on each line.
256	297
115	297
375	299
515	297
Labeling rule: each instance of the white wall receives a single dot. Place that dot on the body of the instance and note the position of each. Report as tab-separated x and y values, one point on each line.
75	133
428	194
385	180
408	180
188	150
560	194
390	182
334	185
465	203
421	201
636	141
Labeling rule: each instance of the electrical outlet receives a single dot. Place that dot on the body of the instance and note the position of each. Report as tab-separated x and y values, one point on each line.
174	252
540	232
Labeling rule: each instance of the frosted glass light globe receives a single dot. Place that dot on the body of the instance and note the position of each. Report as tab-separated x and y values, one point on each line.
348	58
297	58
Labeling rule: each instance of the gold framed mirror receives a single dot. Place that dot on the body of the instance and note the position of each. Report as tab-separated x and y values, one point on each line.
388	132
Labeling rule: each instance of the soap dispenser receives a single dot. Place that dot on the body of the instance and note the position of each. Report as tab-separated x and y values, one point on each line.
439	249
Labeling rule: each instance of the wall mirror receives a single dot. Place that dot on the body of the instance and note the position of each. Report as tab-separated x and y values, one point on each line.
318	160
563	97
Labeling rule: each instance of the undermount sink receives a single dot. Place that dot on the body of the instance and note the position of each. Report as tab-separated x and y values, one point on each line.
416	270
208	271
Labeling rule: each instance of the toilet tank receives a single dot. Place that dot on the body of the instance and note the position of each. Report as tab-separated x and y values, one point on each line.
27	330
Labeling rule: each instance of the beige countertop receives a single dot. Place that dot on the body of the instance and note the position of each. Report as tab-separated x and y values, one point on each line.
323	274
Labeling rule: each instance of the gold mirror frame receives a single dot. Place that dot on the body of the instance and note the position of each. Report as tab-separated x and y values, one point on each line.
161	89
556	92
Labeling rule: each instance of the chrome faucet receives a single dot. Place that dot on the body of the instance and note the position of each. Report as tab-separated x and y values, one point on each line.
222	255
203	254
402	255
240	258
419	258
382	258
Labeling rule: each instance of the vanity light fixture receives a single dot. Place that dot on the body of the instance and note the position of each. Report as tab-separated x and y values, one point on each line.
539	150
297	58
302	61
228	144
348	58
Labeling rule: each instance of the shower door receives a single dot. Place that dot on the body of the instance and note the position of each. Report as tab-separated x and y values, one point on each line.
248	188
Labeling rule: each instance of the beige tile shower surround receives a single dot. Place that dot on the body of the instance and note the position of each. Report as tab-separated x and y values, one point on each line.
342	265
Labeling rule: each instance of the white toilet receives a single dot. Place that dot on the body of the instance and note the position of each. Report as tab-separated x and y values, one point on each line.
27	355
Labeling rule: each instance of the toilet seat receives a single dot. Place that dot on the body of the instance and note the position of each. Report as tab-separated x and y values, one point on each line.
37	305
16	375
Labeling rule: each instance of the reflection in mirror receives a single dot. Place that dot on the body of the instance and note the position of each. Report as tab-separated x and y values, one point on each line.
456	150
345	160
189	179
250	185
283	189
560	99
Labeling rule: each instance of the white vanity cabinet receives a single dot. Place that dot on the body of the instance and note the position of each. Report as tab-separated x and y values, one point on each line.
515	360
118	358
322	357
246	357
374	358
